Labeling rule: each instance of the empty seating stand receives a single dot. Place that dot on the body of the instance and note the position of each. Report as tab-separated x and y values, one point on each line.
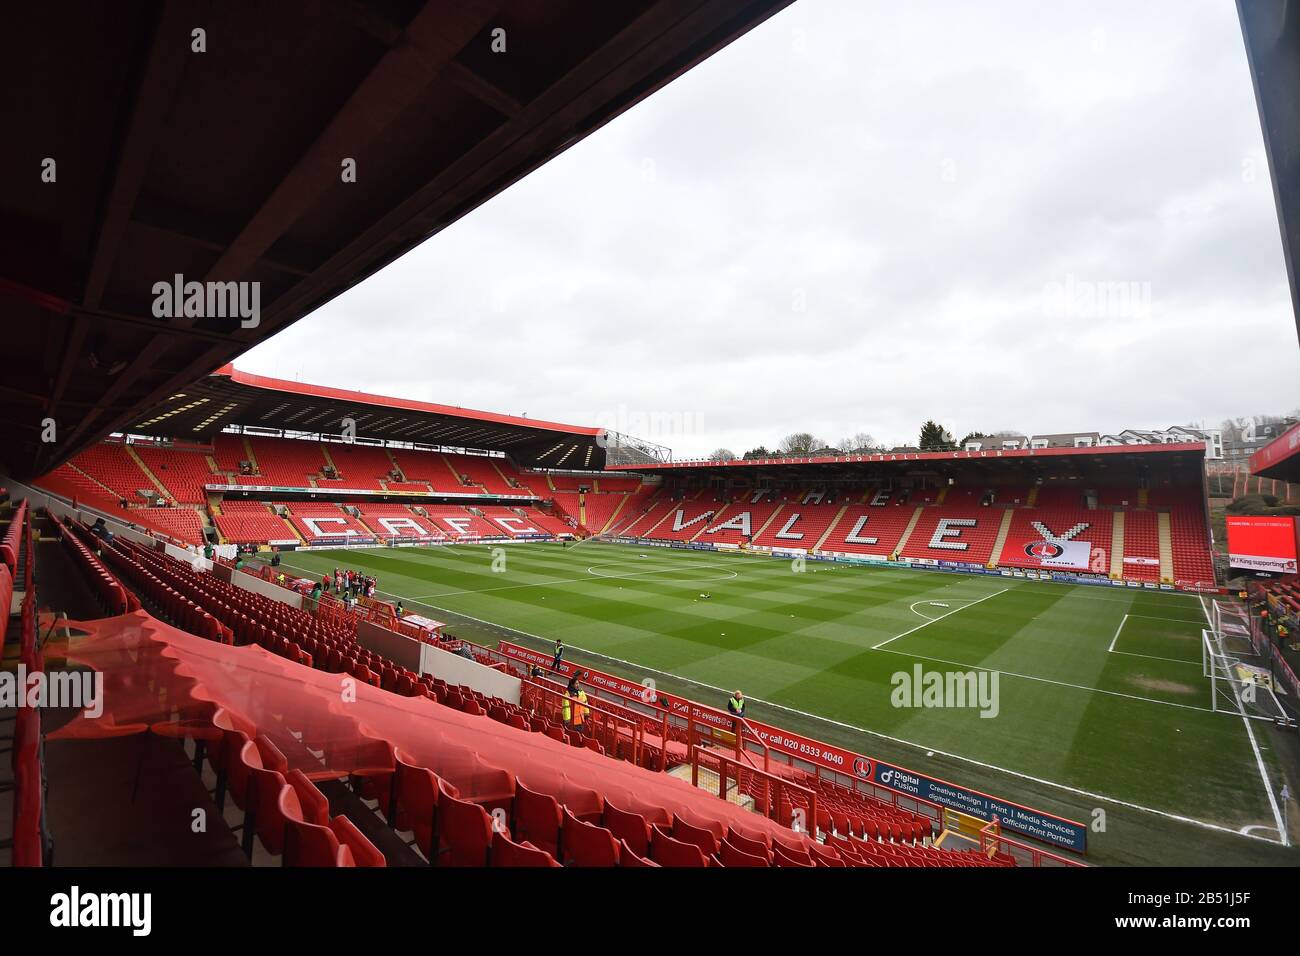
508	824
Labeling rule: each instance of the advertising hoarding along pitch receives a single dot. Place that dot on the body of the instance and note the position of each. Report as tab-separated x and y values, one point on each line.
1022	820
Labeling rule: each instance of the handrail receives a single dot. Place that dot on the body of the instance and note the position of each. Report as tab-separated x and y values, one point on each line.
773	787
609	728
991	836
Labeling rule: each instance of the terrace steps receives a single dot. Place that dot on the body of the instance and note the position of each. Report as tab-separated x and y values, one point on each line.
148	473
113	495
248	450
712	522
1003	530
707	780
614	517
1166	542
1117	545
830	527
504	477
770	519
649	532
452	468
907	532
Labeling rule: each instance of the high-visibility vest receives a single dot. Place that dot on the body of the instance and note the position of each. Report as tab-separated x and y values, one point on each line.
574	712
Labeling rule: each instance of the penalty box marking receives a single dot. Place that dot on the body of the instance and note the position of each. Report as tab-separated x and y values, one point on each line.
1153	657
1019	774
1068	788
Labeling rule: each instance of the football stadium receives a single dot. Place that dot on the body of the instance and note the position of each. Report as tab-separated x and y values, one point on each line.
273	622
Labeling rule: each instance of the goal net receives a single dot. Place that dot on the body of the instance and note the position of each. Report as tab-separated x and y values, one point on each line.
1239	683
1231	626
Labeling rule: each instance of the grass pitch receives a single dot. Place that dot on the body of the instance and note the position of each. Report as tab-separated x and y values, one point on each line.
1103	714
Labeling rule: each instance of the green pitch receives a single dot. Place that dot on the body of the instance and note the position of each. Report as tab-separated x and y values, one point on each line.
1102	712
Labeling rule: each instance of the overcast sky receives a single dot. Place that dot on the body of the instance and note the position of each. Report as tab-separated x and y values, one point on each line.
1028	216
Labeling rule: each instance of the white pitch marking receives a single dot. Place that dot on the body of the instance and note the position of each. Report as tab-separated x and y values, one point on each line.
1048	680
1078	791
939	618
1176	620
1259	760
1153	657
1114	639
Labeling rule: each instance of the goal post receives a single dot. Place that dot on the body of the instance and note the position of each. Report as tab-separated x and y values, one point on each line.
1238	686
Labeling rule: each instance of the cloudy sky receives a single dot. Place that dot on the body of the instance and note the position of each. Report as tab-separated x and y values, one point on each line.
1028	216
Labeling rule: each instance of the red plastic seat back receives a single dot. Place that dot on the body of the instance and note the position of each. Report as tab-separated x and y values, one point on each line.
631	828
364	853
506	852
669	852
732	856
586	844
464	832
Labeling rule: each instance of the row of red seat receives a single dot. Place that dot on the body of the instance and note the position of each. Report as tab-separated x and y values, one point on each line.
30	840
413	798
952	531
11	543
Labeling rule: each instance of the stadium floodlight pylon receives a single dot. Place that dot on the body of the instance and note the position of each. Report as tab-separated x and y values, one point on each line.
1238	685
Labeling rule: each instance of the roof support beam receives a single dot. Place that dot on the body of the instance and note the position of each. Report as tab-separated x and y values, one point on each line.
158	88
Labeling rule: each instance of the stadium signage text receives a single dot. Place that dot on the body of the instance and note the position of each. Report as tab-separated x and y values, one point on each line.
1012	816
1024	820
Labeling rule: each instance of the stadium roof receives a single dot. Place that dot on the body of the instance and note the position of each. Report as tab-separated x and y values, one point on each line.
137	158
1280	458
1272	34
1031	461
230	397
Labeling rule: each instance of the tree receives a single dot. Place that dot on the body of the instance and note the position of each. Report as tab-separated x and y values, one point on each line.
934	437
860	444
722	454
759	452
982	437
800	443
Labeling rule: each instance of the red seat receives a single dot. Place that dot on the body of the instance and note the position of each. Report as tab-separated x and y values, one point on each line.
586	844
784	857
315	806
687	833
746	844
669	852
414	802
263	815
629	859
537	818
364	853
631	828
464	831
506	852
308	844
732	856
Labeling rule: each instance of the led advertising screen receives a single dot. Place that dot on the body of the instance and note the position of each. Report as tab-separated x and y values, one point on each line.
1257	543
